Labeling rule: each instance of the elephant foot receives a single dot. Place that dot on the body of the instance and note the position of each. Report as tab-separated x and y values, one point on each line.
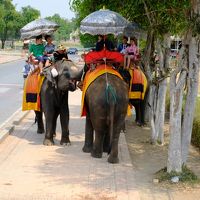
96	154
106	149
113	160
87	149
40	131
65	142
48	142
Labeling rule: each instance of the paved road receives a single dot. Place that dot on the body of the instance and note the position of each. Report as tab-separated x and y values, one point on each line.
30	170
11	87
11	83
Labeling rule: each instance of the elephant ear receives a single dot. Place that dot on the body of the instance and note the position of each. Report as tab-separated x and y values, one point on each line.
48	74
74	71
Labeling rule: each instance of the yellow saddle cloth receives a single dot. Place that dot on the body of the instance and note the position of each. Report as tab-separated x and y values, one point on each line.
31	94
90	77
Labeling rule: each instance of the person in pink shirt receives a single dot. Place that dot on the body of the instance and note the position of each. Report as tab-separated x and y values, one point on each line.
131	52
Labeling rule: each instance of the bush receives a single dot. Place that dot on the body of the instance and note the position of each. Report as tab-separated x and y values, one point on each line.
196	125
196	132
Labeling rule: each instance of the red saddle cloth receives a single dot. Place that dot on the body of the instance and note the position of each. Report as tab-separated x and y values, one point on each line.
104	55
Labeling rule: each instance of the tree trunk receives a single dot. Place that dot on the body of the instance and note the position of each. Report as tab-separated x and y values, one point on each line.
158	100
147	70
192	90
177	82
176	95
161	111
163	69
3	44
147	56
153	106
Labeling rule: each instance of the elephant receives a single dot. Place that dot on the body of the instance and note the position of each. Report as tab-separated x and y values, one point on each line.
137	93
106	101
54	100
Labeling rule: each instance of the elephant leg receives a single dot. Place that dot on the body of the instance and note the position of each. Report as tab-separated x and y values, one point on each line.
106	142
97	149
113	157
40	124
123	127
142	109
136	105
55	122
87	148
50	124
64	120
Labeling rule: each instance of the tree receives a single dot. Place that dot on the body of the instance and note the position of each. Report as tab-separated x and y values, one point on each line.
25	15
66	27
160	20
28	14
188	72
8	17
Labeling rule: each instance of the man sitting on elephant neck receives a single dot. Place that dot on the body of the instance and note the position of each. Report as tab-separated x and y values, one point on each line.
60	53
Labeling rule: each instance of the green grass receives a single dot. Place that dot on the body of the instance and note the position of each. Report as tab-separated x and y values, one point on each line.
186	176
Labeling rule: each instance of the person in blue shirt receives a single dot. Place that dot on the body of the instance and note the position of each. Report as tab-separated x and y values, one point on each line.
121	47
48	50
27	68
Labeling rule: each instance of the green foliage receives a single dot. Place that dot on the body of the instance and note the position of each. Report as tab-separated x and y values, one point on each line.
8	20
185	176
66	27
169	16
196	125
28	14
88	40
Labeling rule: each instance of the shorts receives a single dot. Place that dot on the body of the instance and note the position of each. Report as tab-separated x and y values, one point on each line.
40	58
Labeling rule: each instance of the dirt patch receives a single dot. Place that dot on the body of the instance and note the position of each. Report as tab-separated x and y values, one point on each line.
147	159
95	197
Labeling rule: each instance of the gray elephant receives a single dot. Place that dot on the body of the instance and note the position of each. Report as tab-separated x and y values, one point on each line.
54	99
106	102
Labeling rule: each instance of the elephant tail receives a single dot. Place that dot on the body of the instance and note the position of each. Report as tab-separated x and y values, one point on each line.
111	101
111	116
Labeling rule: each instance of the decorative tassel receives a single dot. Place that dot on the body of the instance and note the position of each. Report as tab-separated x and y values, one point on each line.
111	90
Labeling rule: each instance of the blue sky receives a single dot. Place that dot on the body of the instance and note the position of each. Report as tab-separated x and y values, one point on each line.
47	7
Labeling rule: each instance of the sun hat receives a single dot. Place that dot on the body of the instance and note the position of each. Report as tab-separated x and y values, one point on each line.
61	47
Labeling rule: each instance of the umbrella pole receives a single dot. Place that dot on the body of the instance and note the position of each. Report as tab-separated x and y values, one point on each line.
104	45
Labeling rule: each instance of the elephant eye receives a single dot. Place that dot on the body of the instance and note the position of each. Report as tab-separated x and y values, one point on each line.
66	73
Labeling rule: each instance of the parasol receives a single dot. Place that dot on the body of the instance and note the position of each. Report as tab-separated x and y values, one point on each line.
103	22
38	27
134	30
